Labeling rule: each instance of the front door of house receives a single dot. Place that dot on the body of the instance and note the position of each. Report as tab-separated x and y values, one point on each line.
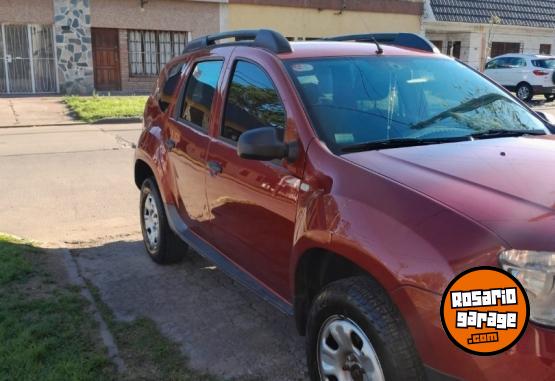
105	47
27	60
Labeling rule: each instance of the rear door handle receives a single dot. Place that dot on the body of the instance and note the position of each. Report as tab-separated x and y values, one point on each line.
214	167
170	144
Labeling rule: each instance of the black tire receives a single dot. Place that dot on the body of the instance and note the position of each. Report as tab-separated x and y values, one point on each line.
365	302
169	248
549	97
524	92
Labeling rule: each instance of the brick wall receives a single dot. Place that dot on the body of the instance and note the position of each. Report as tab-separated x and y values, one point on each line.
129	84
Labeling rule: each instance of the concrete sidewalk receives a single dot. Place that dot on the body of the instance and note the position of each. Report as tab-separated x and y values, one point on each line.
33	111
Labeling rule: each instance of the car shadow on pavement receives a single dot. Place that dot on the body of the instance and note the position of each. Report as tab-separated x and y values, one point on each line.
222	327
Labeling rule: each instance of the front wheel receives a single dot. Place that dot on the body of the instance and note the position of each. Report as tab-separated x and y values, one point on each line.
524	92
161	243
355	333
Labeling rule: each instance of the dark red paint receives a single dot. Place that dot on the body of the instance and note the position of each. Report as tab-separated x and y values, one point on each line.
413	217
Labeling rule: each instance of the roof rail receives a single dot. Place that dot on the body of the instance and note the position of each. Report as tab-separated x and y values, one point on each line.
262	38
407	40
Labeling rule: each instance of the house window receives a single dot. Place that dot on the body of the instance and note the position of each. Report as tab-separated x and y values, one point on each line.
454	49
438	44
500	48
150	50
545	49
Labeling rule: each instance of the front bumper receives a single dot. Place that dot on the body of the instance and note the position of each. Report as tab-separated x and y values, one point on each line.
532	358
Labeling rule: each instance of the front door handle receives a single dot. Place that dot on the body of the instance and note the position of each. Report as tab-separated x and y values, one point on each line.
170	144
214	167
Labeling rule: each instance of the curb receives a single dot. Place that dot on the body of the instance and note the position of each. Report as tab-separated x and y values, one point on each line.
46	125
131	119
107	338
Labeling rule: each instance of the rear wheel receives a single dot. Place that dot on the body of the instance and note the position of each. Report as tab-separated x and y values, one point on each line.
355	333
524	92
161	243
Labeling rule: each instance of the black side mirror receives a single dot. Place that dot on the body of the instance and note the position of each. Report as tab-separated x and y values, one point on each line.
548	121
263	144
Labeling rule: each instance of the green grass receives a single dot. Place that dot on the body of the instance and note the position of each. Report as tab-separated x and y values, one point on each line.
91	109
45	331
147	354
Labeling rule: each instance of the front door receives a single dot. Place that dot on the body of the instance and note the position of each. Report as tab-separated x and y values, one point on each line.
105	47
252	203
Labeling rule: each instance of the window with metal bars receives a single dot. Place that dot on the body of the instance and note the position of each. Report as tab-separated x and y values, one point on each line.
150	50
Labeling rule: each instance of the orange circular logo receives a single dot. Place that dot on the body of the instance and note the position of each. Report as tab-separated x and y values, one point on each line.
485	311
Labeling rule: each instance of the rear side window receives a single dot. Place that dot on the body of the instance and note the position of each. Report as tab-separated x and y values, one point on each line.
517	62
199	93
168	87
545	64
252	102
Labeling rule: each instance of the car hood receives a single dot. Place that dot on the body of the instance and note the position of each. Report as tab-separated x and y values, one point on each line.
506	184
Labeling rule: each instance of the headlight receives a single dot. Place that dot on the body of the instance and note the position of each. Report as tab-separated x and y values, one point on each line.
536	271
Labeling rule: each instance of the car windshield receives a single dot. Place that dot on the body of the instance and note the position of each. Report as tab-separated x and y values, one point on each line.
357	101
545	64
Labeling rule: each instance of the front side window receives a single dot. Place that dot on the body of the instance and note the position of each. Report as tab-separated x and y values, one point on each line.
493	64
199	93
356	100
252	102
150	50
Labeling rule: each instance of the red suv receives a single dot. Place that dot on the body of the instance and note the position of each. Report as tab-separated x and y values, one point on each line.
348	181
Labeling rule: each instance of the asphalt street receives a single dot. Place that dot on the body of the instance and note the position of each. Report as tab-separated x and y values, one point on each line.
72	187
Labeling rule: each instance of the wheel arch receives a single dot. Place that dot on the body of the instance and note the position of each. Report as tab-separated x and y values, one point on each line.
523	83
316	268
142	172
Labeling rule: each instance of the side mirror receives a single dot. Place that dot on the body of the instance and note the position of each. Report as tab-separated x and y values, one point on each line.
550	121
263	144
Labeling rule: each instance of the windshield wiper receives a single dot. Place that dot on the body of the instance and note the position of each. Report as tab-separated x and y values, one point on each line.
504	133
400	142
468	106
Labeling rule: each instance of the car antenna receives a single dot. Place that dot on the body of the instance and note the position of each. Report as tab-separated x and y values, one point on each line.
380	50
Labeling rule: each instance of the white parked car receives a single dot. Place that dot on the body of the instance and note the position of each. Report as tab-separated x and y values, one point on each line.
525	74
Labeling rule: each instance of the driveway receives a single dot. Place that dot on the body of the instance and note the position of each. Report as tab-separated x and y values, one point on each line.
72	187
32	111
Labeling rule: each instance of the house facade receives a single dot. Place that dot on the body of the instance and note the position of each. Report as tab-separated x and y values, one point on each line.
309	19
77	46
81	46
476	30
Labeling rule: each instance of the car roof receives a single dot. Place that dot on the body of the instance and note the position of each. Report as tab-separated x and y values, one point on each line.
524	55
315	49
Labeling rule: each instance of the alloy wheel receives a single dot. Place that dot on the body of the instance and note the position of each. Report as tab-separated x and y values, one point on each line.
151	221
345	352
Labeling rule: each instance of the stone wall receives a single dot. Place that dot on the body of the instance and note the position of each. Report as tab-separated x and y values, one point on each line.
72	28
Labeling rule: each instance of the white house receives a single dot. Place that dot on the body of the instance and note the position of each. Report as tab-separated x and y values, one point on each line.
476	30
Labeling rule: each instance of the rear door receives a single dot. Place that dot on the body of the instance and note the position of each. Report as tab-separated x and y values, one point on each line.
187	140
253	203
